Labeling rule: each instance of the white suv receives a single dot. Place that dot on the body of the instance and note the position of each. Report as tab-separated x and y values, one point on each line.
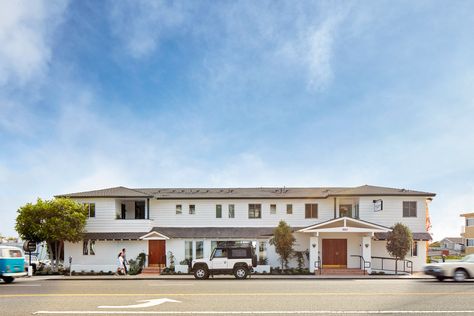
236	260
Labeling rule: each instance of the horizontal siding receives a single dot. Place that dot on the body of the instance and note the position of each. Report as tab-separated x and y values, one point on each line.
105	218
392	212
164	213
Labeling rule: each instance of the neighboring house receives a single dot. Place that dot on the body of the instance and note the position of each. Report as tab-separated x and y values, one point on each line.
468	232
453	244
337	226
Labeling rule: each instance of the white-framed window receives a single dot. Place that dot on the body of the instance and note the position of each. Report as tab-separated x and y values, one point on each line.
311	210
414	249
188	250
273	208
231	211
289	208
218	211
409	208
199	249
90	207
255	210
192	209
179	209
262	251
469	242
88	247
469	221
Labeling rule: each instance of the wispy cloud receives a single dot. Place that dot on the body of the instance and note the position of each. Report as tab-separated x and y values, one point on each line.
26	28
237	36
142	24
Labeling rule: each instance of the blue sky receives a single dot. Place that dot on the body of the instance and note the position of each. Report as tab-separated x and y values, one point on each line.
237	93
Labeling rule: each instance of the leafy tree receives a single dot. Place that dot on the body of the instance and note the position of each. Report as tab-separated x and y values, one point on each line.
53	221
283	241
399	242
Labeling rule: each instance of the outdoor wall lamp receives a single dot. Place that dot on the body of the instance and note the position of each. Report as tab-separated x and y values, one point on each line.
314	245
366	245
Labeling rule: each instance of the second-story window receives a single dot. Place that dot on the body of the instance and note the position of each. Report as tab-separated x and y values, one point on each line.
192	209
231	210
289	208
90	207
273	208
469	221
311	211
409	208
218	211
179	209
255	210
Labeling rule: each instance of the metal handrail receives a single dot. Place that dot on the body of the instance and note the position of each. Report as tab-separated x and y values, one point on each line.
406	264
366	265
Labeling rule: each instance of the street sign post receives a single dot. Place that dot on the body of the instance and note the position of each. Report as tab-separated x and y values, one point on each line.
29	246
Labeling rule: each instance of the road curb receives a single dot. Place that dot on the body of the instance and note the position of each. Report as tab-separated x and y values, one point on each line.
81	278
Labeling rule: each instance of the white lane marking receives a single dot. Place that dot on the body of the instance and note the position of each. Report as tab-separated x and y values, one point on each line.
254	312
18	285
171	284
146	303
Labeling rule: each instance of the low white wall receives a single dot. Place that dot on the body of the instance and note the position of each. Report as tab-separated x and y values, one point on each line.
106	252
379	250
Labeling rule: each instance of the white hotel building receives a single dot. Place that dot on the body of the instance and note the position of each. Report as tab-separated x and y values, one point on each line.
336	227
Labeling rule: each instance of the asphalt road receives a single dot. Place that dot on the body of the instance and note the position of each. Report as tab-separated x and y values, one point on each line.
234	297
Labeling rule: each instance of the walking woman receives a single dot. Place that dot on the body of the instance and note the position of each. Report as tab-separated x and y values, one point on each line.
120	264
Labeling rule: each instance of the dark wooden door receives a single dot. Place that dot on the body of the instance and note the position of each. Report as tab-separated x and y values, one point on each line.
335	252
156	252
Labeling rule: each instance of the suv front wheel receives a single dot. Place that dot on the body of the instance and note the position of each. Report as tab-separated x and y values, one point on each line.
201	273
241	272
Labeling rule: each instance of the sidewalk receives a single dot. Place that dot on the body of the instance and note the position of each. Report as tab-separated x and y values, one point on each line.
419	276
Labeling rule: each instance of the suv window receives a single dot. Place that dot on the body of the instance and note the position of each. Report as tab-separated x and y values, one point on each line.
238	253
220	253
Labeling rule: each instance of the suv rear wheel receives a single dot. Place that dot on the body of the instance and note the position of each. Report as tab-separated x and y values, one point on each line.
201	273
241	272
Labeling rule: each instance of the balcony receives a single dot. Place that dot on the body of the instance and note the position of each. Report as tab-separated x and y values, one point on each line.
129	209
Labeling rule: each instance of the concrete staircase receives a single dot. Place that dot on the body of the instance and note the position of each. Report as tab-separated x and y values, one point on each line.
341	271
154	269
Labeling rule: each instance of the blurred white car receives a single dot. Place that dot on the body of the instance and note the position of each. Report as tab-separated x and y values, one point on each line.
457	270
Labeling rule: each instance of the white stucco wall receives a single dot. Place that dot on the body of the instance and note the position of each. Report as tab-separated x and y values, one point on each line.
379	250
106	252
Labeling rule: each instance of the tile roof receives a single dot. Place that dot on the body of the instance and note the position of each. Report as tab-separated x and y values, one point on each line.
216	232
456	240
191	232
114	236
109	192
416	236
248	193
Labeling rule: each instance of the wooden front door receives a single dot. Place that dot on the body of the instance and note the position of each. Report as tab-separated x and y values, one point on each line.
156	252
335	253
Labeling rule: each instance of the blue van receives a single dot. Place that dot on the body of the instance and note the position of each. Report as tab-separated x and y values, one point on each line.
12	263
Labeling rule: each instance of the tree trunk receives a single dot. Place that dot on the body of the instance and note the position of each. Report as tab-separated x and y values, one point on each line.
396	265
55	266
